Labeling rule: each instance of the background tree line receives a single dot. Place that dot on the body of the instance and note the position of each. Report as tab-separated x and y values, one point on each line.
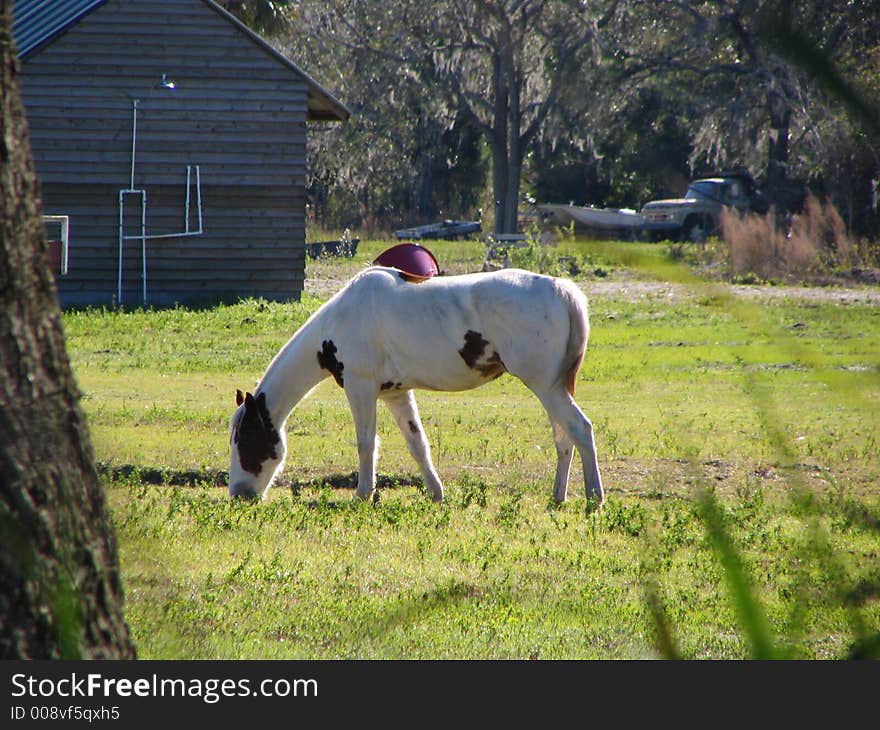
462	105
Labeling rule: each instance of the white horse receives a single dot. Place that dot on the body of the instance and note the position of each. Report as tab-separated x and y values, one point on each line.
383	335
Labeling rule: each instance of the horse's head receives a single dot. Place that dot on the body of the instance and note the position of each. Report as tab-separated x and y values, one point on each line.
257	447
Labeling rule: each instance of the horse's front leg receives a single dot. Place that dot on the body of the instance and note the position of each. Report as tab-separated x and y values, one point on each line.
406	413
362	401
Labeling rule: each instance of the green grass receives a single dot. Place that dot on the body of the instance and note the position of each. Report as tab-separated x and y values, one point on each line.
738	444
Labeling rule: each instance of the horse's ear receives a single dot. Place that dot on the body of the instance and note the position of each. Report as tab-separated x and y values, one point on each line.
239	397
263	411
248	400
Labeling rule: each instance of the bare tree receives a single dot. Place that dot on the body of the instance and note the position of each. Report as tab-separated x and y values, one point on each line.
504	64
501	65
60	587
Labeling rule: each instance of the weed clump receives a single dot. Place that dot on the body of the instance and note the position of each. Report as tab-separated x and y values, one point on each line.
813	245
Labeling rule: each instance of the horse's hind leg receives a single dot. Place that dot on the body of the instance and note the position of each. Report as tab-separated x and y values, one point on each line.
405	411
565	413
564	452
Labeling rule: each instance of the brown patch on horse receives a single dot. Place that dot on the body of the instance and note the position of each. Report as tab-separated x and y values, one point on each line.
390	385
255	435
327	361
473	355
493	367
474	347
412	427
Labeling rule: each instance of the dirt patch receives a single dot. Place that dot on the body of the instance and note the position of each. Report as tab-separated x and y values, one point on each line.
845	295
636	290
326	286
663	478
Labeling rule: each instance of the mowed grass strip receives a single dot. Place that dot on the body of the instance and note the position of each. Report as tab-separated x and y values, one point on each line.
774	411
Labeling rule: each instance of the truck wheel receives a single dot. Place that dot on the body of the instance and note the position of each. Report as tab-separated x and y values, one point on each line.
695	229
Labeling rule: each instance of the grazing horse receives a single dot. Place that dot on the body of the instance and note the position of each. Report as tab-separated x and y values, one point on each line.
383	335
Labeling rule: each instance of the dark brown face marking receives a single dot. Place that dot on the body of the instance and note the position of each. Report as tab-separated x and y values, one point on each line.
474	355
327	361
254	435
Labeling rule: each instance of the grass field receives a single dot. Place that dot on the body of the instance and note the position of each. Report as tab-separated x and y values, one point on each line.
738	440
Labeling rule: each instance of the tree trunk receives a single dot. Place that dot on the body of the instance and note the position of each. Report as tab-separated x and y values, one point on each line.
778	148
60	587
514	149
511	219
425	199
500	144
425	206
500	186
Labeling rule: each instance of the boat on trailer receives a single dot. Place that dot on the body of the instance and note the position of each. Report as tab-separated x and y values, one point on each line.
442	230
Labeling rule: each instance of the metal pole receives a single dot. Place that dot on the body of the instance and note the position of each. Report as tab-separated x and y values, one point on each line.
144	243
121	239
199	196
186	213
134	118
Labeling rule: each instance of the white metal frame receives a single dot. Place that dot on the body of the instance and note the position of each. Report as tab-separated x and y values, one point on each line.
64	220
142	236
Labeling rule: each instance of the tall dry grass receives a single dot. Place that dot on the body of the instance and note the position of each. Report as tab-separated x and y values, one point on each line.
811	244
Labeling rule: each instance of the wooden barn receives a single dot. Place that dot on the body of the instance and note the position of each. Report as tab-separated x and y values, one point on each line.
170	141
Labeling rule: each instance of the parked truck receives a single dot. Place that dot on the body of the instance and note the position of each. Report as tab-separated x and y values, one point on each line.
697	215
694	217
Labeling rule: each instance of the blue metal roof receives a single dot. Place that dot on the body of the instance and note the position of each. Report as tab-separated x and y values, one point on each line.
36	21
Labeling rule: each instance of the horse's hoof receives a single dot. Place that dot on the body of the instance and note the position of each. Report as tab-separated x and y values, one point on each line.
594	504
243	491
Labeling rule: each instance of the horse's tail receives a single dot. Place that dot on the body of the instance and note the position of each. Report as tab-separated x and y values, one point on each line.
578	333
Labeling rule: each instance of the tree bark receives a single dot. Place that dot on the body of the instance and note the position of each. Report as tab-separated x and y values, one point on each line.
778	147
514	144
499	142
60	587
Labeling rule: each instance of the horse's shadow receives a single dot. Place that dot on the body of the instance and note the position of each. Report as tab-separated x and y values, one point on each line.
158	476
349	481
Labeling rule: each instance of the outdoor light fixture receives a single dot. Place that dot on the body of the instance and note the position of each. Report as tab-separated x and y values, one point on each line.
166	83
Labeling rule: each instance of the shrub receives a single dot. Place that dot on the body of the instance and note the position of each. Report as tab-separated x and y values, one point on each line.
808	245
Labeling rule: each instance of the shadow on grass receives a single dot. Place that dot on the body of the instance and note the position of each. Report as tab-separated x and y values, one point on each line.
133	473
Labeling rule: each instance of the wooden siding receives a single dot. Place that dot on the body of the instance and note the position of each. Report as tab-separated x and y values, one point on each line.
237	112
265	257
